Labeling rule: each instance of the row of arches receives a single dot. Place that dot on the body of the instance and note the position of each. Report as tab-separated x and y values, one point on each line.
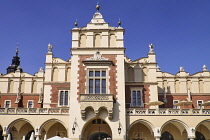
170	130
34	86
23	128
98	128
97	41
200	85
55	74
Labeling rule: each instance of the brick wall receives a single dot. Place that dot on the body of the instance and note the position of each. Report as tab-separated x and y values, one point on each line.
82	74
145	95
171	97
54	96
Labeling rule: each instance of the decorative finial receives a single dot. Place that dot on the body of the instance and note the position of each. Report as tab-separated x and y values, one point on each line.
181	69
151	46
158	68
97	7
76	23
205	68
17	49
119	23
50	48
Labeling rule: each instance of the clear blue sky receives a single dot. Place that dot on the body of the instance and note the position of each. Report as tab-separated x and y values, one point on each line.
179	29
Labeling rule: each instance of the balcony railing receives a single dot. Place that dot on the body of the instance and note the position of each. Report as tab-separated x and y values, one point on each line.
64	111
168	112
96	98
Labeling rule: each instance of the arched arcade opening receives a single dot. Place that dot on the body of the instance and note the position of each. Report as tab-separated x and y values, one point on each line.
97	129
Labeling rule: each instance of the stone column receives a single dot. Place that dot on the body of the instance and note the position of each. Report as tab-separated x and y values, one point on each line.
157	138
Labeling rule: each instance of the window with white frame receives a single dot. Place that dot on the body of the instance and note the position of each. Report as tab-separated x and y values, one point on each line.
136	97
199	104
7	103
175	102
64	98
97	80
30	103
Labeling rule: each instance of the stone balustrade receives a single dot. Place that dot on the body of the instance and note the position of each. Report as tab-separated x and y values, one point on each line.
96	98
63	111
136	111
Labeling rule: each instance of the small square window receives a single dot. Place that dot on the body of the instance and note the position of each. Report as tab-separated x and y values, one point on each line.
7	104
30	104
199	104
175	102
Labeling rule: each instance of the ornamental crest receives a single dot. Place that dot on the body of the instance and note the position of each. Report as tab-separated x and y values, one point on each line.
97	56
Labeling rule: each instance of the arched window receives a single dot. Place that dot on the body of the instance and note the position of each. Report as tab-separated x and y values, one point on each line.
83	41
201	87
130	74
112	40
97	41
11	86
22	86
177	86
55	75
34	86
68	74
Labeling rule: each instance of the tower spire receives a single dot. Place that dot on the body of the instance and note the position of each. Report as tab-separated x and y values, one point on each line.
15	62
17	49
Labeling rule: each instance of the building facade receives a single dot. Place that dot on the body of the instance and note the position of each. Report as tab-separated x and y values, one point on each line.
99	93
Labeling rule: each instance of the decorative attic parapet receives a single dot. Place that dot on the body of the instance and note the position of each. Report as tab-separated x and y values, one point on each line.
98	60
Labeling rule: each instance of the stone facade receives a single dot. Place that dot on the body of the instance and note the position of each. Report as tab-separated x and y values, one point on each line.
101	94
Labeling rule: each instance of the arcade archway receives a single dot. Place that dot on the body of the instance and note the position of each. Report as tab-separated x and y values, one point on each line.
140	130
97	129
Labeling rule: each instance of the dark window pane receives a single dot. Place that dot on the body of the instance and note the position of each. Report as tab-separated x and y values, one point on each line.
103	85
91	86
90	73
138	98
30	104
98	121
66	97
94	122
61	97
97	73
97	86
103	73
134	98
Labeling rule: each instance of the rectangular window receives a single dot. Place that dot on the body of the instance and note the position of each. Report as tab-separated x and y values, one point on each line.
175	102
7	104
30	103
97	81
199	104
64	95
136	100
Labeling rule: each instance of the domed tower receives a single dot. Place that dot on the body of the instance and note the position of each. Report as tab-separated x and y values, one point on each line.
15	63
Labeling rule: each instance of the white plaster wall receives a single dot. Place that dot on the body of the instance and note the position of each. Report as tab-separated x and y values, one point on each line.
47	92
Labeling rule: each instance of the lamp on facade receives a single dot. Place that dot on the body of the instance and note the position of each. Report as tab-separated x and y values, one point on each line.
74	126
119	129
